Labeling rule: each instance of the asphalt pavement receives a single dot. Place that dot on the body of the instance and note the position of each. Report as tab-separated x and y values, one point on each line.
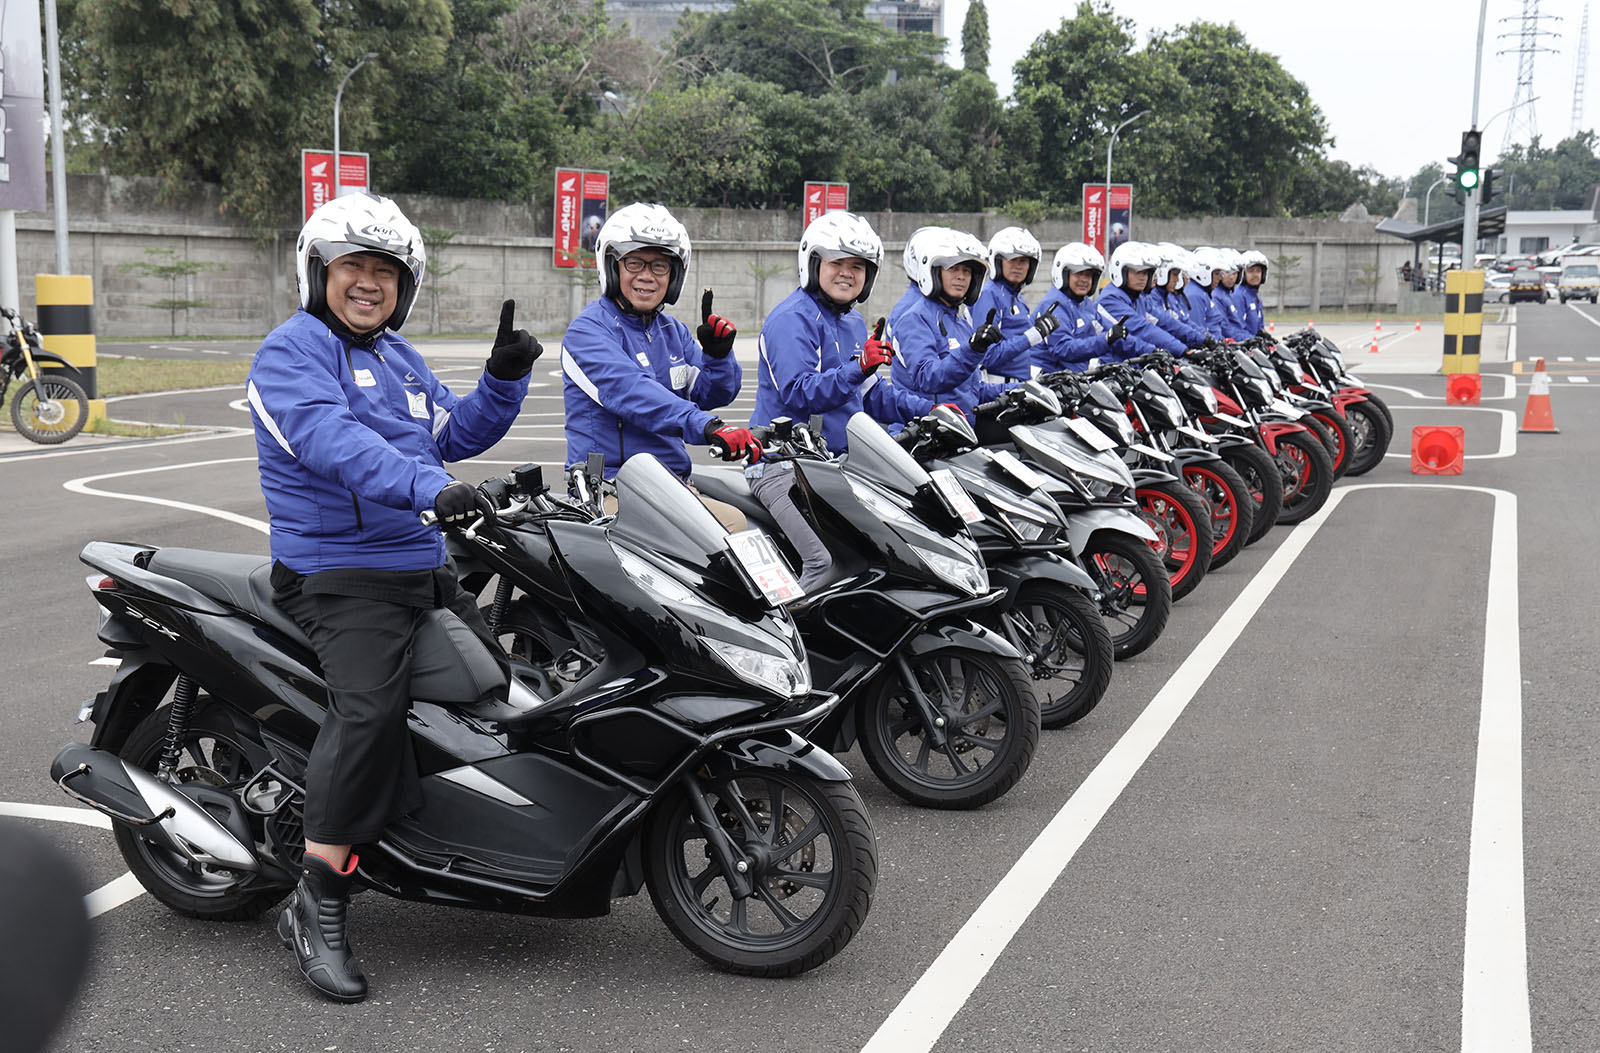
1345	803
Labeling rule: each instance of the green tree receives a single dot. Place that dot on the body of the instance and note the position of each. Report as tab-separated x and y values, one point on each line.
1540	177
165	265
229	91
1326	188
975	39
808	46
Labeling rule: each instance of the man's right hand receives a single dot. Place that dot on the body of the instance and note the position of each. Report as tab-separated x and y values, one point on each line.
459	503
987	335
876	352
1043	326
1117	332
731	443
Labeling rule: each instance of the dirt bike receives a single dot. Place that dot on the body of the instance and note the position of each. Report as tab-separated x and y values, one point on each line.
50	407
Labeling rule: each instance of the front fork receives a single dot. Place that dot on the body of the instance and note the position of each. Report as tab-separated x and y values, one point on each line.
735	866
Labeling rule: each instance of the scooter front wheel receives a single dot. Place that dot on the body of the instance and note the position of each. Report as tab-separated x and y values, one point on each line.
1182	522
812	865
1059	631
1135	594
1370	434
985	727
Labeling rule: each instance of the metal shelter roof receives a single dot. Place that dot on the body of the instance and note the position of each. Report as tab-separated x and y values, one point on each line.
1491	223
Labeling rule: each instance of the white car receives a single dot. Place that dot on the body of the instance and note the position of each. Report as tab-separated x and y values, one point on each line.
1495	286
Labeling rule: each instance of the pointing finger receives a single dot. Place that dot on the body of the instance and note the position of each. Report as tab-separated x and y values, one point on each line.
990	319
507	311
877	330
705	306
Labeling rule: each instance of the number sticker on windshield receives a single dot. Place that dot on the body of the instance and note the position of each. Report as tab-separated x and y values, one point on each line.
754	551
1019	471
1096	438
959	500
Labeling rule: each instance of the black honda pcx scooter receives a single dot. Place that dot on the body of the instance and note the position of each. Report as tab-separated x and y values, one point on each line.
674	763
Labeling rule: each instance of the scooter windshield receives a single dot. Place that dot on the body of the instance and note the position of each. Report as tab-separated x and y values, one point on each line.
876	456
658	513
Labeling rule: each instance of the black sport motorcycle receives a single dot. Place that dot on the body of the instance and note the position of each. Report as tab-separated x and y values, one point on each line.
674	764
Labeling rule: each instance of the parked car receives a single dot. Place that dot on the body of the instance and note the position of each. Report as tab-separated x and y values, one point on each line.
1526	284
1496	284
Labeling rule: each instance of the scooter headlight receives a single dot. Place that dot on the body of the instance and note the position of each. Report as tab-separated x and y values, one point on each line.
966	573
785	675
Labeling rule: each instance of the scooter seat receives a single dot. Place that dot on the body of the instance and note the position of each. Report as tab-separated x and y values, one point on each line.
448	661
728	486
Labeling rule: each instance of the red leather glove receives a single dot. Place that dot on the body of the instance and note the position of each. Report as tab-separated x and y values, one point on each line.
715	332
876	352
732	444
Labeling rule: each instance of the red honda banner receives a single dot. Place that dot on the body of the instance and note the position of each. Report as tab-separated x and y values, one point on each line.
1098	214
824	197
316	177
569	212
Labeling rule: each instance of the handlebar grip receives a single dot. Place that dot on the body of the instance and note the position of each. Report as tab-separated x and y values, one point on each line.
429	517
992	406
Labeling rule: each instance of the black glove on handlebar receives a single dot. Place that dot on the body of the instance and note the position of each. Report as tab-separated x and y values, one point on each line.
459	503
514	351
1117	332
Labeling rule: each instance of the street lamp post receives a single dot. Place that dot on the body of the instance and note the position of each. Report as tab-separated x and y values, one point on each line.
1105	219
338	96
1427	199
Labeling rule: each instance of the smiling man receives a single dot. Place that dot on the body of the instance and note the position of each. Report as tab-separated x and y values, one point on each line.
352	432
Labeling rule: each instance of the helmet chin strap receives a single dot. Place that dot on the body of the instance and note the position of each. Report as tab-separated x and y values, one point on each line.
627	307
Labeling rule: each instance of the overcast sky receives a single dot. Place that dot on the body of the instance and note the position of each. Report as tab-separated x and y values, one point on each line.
1393	79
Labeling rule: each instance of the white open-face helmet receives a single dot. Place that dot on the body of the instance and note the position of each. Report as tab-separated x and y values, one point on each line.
838	236
1132	256
1076	256
1197	266
1173	258
358	222
1011	243
941	247
1253	258
641	226
910	260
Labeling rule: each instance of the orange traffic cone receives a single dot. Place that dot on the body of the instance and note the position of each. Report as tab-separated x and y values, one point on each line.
1438	449
1463	389
1419	325
1310	324
1272	327
1377	325
1536	416
1374	348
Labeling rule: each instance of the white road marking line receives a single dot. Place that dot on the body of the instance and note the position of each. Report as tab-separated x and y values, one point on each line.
1592	358
1509	381
113	895
1495	1014
81	486
175	391
78	451
1583	314
115	663
1578	380
56	813
1564	358
1508	432
1495	1001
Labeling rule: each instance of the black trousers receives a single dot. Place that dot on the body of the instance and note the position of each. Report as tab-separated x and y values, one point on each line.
362	772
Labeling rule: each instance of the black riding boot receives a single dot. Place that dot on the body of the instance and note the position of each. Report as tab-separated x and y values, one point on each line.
312	926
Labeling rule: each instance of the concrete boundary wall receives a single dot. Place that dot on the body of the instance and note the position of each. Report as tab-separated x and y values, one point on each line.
502	251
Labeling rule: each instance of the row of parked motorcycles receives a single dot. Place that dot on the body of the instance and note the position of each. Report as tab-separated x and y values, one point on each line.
676	704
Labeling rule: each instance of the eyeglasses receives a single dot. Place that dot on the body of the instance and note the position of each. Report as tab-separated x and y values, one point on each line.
638	265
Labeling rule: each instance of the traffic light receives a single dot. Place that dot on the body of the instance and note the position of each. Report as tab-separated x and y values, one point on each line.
1489	190
1466	161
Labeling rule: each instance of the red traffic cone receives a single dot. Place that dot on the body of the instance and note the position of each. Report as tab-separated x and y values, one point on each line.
1438	449
1272	327
1377	325
1374	348
1419	325
1537	416
1463	389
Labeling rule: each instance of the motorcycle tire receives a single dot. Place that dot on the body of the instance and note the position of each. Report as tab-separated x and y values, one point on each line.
1060	633
1307	475
1182	522
55	418
214	754
1232	508
991	728
1136	597
813	869
1335	435
1265	482
1371	431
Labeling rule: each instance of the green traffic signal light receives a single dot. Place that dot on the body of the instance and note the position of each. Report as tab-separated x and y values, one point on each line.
1468	178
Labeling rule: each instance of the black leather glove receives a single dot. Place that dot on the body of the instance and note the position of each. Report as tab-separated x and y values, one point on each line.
1210	344
715	332
988	334
1043	326
1262	334
460	503
514	351
1117	332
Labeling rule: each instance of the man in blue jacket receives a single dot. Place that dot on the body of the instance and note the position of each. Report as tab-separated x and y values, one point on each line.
352	432
634	379
1013	259
1132	268
1203	275
1165	302
1252	317
1086	332
1226	299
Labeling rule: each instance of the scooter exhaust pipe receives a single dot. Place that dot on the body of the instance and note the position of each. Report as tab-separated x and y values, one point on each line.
213	833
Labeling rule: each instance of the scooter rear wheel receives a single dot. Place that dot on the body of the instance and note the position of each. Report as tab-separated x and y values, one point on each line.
1232	509
213	754
1307	475
986	741
1265	482
813	864
1370	433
